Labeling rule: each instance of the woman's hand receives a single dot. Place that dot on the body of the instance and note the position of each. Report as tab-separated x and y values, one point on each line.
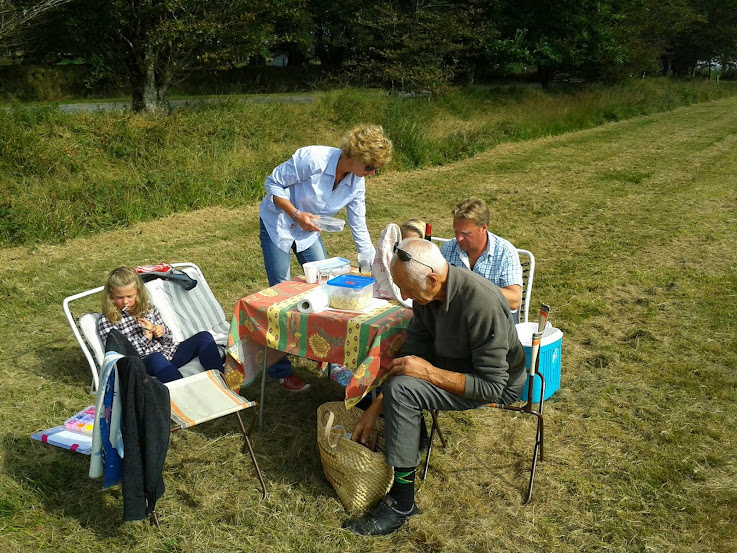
304	220
157	331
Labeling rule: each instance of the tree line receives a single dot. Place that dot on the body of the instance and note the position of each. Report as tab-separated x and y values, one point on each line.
400	45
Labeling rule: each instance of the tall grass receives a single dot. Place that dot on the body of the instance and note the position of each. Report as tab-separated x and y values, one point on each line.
66	175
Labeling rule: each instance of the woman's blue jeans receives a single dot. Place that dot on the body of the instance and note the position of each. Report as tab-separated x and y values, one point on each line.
277	264
201	345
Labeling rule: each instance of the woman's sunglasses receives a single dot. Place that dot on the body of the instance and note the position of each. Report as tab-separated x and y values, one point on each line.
369	168
406	257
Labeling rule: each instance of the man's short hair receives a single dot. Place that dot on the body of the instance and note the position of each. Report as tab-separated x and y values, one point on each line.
474	209
425	252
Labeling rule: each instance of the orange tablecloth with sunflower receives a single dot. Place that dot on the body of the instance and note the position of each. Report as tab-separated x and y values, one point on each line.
365	343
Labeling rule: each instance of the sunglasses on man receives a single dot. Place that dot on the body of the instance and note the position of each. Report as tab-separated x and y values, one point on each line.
407	257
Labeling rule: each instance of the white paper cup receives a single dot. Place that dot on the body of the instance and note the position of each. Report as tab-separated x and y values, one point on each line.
311	274
364	262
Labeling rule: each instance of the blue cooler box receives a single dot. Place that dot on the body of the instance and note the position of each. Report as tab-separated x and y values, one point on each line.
550	349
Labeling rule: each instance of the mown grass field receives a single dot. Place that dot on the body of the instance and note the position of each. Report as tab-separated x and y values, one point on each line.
633	225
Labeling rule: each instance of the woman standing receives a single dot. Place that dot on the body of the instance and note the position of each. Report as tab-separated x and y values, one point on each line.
315	181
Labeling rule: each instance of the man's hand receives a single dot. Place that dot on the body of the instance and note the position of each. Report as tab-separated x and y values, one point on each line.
367	423
417	367
411	365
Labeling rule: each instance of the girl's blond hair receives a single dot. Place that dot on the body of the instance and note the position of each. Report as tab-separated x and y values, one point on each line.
413	225
118	278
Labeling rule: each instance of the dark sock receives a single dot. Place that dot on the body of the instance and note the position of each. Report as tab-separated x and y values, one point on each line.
403	489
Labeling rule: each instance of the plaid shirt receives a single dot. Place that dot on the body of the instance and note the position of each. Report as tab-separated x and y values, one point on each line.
499	263
130	328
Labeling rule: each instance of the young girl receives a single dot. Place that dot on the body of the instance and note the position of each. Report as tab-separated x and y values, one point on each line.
127	307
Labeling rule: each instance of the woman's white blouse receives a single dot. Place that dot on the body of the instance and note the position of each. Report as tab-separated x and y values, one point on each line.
306	179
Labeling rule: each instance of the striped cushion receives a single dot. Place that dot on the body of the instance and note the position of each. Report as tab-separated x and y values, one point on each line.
203	397
188	312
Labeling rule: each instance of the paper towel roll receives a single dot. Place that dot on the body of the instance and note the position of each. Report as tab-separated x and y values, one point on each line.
315	301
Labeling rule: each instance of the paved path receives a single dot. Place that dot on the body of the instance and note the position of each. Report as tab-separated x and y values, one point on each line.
101	106
82	107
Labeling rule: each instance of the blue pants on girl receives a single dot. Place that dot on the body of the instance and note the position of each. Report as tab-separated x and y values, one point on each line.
201	346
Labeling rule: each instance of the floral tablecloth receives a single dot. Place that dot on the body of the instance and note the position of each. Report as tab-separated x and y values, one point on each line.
365	343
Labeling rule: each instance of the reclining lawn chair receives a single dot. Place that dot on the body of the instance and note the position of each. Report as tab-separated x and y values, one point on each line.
201	395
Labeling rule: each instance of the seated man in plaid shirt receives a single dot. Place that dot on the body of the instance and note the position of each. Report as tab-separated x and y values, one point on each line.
484	253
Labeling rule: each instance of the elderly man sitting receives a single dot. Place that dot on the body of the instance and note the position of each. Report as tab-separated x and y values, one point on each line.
461	352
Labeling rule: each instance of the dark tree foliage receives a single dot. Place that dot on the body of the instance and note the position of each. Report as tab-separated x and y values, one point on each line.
712	35
152	42
411	46
335	32
564	36
400	45
17	17
293	32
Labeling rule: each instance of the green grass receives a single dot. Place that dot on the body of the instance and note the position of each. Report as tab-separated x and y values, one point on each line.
69	175
632	224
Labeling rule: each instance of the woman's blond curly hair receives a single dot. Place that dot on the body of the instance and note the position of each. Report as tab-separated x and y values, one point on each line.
118	278
368	144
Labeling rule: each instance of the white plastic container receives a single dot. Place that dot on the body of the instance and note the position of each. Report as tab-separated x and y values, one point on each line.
333	266
329	224
350	292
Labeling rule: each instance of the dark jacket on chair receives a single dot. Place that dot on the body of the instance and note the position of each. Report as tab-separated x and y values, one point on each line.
146	424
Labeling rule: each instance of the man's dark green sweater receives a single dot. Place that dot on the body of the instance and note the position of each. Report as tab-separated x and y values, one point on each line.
471	332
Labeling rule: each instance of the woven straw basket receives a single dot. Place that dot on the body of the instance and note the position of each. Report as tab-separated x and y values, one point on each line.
360	476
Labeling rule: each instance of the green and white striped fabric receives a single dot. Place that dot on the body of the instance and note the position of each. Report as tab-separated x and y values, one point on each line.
187	312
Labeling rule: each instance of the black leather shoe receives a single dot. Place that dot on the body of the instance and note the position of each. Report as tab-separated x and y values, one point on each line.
381	520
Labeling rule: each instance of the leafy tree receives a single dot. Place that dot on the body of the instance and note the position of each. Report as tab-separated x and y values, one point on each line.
153	42
564	35
293	29
16	17
711	35
335	30
680	33
414	45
